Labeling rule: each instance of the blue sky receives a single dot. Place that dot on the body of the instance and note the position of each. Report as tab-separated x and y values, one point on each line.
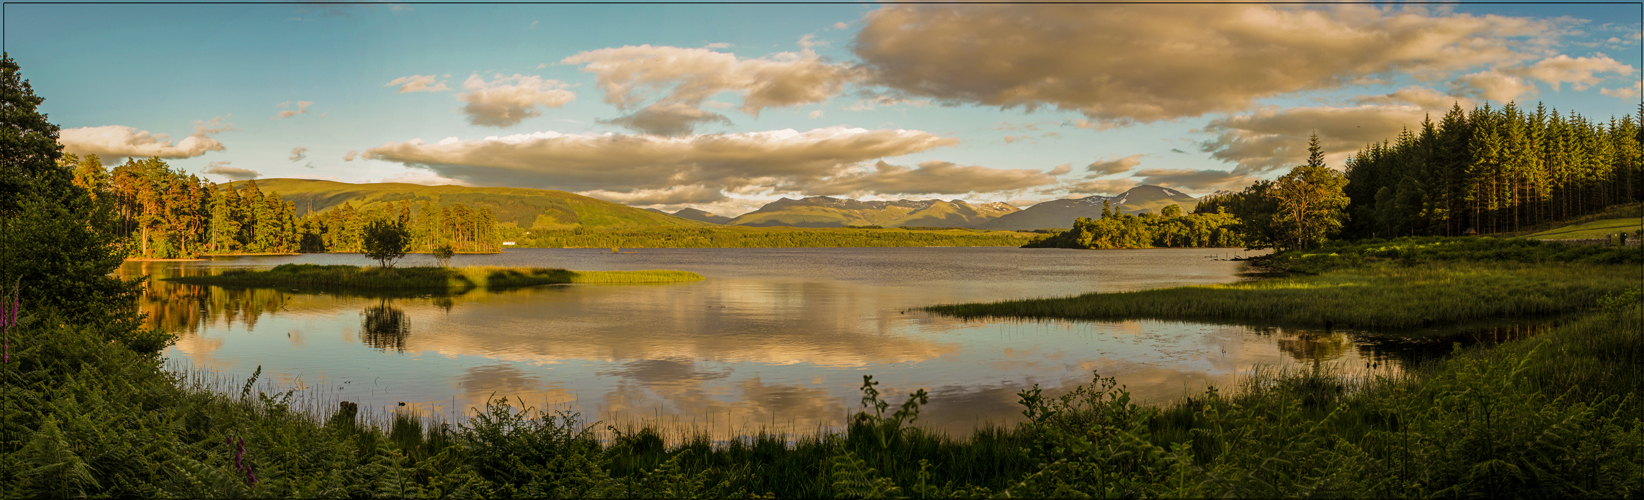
725	107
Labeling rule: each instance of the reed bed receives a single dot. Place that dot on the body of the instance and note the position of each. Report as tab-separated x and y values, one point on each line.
1374	285
428	278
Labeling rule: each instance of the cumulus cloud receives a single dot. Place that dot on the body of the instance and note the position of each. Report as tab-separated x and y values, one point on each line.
667	119
351	155
302	107
233	173
423	178
1271	139
1633	93
1108	187
931	177
1120	64
634	74
1579	72
1111	167
115	142
298	153
1493	85
671	195
1187	179
1061	169
417	83
506	101
629	163
1421	97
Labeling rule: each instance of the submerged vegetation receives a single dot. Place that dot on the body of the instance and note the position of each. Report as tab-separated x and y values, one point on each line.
433	278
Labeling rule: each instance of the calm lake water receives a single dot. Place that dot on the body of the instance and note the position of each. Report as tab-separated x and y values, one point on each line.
773	338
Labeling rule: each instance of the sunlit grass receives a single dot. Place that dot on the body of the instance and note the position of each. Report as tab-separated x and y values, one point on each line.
428	278
1400	284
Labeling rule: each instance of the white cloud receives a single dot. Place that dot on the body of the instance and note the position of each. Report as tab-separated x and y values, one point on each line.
1114	166
816	114
1195	180
671	195
115	142
631	163
1630	94
417	83
1120	64
506	101
1493	86
298	153
232	173
1108	187
1272	139
302	107
667	119
1060	169
1579	72
351	155
634	74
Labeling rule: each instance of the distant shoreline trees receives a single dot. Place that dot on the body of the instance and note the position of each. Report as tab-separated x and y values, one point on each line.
162	213
1115	230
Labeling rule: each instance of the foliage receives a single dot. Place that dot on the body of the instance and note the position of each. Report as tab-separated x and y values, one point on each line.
1399	284
443	254
1310	202
773	237
1493	170
1146	231
385	241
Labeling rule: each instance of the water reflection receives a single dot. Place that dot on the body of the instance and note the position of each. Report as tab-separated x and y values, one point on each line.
385	327
775	339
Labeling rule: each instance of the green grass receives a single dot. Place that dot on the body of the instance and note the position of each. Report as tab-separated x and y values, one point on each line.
427	278
1374	284
1601	228
523	207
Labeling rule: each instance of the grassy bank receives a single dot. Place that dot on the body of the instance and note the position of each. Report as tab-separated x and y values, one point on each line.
427	278
1375	284
1548	417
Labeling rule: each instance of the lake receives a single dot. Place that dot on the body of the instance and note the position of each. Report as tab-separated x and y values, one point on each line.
772	338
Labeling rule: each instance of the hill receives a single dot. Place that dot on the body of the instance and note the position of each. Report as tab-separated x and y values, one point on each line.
527	208
698	215
824	211
1061	213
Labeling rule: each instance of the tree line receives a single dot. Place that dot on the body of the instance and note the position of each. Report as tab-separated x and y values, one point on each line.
163	213
1168	228
1493	170
769	237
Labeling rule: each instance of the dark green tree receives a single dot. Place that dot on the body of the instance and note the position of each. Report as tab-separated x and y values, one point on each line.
385	241
57	241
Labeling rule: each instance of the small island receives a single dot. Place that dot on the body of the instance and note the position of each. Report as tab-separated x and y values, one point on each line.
428	278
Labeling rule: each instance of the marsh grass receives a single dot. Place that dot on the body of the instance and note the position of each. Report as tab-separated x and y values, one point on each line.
1554	415
1401	284
460	279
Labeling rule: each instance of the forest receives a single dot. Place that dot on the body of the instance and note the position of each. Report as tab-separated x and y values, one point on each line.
165	214
1485	171
1170	228
772	237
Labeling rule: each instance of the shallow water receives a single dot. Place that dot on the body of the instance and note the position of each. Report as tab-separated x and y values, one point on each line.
772	338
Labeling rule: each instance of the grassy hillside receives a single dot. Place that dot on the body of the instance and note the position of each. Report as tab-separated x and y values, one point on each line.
524	207
1617	219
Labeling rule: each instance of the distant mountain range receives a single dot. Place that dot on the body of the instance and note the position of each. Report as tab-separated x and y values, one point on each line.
1061	213
824	211
547	209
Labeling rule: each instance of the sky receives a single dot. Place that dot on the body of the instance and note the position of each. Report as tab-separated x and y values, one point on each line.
727	107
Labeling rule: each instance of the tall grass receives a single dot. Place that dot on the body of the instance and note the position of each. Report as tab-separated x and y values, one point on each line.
427	278
1406	283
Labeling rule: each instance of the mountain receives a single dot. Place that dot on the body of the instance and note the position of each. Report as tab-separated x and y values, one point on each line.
538	208
1061	213
698	215
824	211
